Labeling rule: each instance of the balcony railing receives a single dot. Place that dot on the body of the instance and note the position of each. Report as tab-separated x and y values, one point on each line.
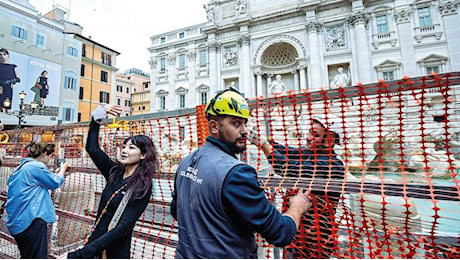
427	31
383	38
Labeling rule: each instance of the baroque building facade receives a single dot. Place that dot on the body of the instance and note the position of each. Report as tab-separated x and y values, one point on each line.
309	44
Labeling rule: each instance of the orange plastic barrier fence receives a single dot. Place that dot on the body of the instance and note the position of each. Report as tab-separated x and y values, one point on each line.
399	196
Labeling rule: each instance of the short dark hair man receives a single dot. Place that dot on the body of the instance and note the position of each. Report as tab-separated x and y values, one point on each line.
217	199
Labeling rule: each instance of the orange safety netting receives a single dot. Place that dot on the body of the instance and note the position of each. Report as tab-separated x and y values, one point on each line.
398	198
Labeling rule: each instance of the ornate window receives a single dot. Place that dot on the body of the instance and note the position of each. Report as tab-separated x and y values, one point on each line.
181	94
70	80
427	25
181	61
161	95
382	24
203	59
388	70
162	64
424	16
202	94
383	33
433	64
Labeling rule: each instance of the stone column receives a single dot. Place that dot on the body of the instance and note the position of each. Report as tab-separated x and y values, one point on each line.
406	41
245	67
359	20
296	79
191	67
449	12
171	99
316	73
213	48
153	82
303	81
259	84
269	81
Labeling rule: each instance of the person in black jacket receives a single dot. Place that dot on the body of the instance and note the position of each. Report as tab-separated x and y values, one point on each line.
8	77
315	163
137	165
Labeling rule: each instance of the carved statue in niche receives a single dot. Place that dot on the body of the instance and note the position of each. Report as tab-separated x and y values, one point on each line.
276	87
209	12
230	56
241	7
341	79
335	38
232	85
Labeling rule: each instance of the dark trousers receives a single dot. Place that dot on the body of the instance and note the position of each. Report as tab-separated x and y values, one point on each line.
33	242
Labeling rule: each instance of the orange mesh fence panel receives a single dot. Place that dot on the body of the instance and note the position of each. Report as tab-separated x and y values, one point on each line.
202	130
392	192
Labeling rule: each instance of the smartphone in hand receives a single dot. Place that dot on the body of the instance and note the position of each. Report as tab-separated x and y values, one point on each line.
61	162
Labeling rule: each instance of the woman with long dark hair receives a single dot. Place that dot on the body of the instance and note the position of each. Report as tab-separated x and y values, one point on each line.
29	206
128	191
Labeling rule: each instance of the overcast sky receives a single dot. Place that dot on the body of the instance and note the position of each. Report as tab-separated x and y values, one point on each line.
126	26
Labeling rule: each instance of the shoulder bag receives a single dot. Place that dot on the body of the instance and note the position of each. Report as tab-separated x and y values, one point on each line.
116	217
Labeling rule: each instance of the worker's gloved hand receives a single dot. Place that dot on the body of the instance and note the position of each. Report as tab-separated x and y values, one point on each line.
255	139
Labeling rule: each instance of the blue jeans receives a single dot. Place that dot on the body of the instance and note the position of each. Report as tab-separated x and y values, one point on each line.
33	242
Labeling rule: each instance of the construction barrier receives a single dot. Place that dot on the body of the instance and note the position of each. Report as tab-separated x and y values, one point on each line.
400	197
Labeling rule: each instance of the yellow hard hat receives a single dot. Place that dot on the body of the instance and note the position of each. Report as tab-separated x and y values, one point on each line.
228	102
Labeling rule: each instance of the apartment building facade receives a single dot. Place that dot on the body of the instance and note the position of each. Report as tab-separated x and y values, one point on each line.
307	44
97	76
37	43
123	93
140	95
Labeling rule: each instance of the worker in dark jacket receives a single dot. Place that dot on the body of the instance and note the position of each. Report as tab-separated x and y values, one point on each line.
217	199
316	161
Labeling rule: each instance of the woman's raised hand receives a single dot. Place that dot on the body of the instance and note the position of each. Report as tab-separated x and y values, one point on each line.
113	109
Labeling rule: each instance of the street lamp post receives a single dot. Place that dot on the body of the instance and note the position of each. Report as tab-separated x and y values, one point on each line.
22	112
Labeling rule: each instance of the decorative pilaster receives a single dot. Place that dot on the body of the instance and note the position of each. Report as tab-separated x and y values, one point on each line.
313	26
316	75
153	62
244	40
449	12
359	20
403	19
213	46
245	66
359	17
